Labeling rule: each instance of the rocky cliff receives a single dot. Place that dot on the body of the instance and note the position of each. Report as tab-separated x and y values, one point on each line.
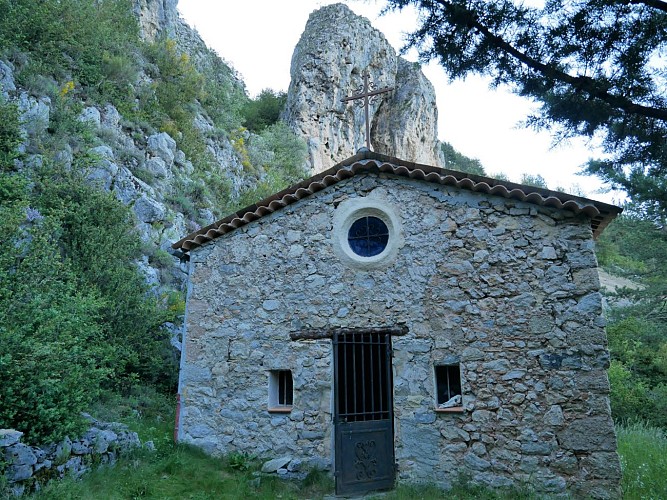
171	193
157	18
335	49
145	168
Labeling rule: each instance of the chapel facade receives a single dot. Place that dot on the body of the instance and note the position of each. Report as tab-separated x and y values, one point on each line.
392	322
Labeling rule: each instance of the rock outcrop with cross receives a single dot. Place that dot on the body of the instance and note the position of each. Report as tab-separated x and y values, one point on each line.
328	64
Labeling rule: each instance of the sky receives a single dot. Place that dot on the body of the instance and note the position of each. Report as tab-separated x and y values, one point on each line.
257	38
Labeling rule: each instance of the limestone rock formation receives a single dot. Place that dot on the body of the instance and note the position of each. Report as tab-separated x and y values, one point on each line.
156	17
142	169
328	63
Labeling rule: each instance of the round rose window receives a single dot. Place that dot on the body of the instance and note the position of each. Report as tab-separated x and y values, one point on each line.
368	236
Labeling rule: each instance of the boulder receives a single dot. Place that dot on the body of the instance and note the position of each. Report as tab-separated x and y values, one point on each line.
90	115
20	454
157	167
128	188
34	114
275	464
149	210
110	117
6	79
9	437
162	146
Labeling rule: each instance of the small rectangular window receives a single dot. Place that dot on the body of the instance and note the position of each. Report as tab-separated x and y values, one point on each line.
448	387
281	391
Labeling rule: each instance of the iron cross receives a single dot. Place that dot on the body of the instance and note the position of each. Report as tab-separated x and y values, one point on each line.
366	93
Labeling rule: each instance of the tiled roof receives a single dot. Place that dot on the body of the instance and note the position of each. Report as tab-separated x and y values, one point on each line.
367	161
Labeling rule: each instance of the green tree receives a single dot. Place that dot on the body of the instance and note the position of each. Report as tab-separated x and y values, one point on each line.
264	110
533	180
595	67
458	161
637	321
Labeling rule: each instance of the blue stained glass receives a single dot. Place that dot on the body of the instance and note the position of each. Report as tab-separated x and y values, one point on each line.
368	236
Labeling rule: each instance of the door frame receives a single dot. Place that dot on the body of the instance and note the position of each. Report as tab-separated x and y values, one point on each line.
364	454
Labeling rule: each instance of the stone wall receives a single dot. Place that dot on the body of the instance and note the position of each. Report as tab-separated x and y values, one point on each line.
507	289
26	468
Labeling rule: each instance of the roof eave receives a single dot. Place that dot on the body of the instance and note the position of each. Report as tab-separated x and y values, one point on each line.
367	161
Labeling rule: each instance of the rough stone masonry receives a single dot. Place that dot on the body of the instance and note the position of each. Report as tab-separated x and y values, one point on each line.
507	289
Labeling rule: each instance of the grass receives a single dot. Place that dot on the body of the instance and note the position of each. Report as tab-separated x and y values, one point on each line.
174	470
181	471
643	452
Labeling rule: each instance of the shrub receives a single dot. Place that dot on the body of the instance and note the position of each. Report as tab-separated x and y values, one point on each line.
279	156
49	371
177	84
91	42
643	451
98	237
264	110
10	134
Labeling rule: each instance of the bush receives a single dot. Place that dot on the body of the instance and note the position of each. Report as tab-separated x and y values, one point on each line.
10	134
90	42
177	84
48	324
638	249
643	451
264	110
98	237
75	315
279	157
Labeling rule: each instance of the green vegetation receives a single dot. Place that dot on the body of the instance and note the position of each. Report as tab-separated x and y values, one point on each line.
179	471
88	43
77	321
264	110
458	161
75	316
281	154
643	452
637	249
174	471
10	134
80	329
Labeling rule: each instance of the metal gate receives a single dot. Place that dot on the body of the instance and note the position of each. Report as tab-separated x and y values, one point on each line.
363	417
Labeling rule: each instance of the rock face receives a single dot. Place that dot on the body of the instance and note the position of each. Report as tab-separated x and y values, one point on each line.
142	169
156	17
328	64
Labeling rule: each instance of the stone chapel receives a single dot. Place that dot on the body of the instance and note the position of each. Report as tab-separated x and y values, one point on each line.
397	322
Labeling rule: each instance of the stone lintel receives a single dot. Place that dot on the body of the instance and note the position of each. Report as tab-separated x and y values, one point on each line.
327	333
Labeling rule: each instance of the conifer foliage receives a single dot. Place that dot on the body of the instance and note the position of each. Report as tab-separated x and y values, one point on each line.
596	67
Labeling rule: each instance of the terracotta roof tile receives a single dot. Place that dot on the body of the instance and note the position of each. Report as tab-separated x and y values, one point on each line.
365	161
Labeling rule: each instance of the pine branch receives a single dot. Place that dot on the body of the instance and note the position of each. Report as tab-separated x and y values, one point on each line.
656	4
587	84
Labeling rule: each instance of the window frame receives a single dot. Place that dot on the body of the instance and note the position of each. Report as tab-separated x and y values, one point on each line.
281	381
351	210
449	373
